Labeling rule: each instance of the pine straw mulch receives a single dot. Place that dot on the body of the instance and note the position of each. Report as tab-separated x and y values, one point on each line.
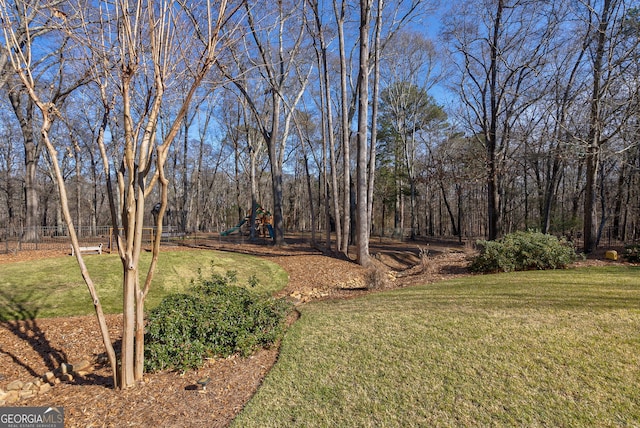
29	349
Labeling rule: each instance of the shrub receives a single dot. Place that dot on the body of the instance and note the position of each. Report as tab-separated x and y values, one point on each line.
217	318
523	251
632	253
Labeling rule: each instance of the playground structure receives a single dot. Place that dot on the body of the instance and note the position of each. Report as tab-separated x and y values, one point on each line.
263	224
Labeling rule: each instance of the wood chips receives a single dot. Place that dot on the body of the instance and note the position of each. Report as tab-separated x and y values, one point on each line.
31	348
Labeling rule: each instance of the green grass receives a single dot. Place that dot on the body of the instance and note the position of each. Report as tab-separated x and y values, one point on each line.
553	348
54	287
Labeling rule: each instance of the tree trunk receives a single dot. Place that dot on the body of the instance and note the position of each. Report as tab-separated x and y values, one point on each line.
493	184
459	194
127	358
276	171
96	192
184	177
77	160
374	112
455	230
561	135
325	197
254	188
345	128
311	207
362	217
620	197
327	128
236	176
64	204
592	160
31	157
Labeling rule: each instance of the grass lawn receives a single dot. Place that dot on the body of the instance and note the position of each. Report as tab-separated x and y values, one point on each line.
54	287
554	348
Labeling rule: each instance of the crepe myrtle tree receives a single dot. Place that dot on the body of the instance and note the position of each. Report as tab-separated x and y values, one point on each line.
141	47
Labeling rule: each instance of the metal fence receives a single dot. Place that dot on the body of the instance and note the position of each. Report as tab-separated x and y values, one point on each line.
14	240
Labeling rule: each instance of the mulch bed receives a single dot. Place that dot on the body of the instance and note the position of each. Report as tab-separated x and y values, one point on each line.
29	349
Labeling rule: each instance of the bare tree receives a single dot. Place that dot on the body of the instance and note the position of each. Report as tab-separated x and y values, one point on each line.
362	218
409	116
499	48
405	106
340	11
566	87
276	59
327	119
9	173
196	204
19	49
31	21
305	127
146	37
612	55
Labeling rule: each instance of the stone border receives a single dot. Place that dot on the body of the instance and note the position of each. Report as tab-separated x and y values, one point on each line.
18	390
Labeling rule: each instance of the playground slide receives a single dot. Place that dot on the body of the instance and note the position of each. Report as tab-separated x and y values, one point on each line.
233	229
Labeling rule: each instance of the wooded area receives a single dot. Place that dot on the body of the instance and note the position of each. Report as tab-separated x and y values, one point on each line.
400	118
517	115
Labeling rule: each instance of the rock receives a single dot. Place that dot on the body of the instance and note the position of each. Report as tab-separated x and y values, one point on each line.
67	377
66	368
82	365
611	255
27	386
49	377
16	385
44	388
3	394
27	394
12	397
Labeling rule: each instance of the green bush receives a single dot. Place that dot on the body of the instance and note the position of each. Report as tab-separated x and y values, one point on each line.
632	253
218	318
523	251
